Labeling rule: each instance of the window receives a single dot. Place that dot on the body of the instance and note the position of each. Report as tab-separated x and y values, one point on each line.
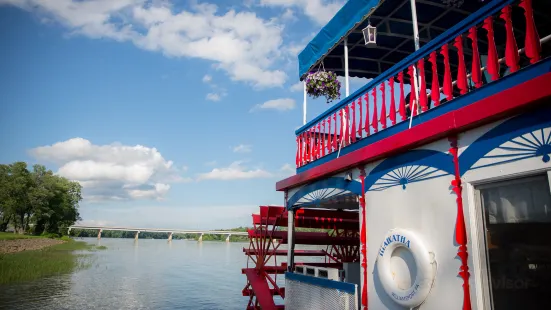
517	231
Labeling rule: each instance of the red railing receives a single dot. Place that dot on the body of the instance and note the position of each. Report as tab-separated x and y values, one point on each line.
357	118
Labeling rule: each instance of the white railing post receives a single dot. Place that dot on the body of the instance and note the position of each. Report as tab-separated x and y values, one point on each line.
304	106
346	80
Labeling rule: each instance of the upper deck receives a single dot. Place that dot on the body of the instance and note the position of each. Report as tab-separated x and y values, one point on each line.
488	60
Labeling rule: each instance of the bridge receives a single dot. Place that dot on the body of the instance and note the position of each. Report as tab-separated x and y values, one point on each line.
161	230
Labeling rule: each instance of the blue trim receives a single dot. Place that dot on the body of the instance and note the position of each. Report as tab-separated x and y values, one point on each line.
333	182
349	288
473	19
488	90
429	158
507	131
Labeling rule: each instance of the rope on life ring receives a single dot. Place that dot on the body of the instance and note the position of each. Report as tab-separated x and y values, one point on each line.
425	264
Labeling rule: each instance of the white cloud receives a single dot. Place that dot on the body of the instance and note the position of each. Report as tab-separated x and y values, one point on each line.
235	171
282	104
242	44
287	169
213	97
317	10
243	148
113	171
298	86
289	15
217	92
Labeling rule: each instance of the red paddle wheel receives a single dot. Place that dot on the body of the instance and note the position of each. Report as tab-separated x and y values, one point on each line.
341	238
344	253
263	250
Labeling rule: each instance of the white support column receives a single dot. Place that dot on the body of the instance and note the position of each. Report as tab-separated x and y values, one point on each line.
416	42
290	240
414	23
136	236
200	238
228	238
346	80
99	233
170	237
304	105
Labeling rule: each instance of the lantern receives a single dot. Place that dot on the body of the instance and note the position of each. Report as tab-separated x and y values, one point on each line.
370	35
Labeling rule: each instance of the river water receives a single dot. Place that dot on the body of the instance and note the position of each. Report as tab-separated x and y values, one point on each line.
149	274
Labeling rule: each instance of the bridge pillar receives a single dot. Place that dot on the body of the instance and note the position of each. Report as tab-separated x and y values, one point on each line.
69	231
169	236
136	236
228	238
200	238
99	233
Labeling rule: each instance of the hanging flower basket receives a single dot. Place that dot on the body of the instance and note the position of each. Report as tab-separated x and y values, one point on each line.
323	83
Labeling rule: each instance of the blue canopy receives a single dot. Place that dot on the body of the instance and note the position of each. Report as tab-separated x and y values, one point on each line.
394	34
353	12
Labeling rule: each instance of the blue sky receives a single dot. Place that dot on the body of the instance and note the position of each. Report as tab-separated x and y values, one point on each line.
170	114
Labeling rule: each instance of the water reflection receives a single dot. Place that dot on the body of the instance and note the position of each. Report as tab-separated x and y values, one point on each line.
183	274
33	294
152	275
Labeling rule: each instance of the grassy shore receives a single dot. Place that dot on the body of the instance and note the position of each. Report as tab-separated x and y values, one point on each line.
49	261
12	236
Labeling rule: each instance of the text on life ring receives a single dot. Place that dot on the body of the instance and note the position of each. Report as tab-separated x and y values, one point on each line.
391	239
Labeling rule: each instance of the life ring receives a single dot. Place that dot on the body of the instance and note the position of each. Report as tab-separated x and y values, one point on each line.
424	262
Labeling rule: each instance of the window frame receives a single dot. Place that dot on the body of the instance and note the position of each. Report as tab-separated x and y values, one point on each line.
483	284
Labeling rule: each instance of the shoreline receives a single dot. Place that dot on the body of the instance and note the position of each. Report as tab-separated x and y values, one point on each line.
26	244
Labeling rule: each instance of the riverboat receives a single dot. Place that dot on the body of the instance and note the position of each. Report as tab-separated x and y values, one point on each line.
441	160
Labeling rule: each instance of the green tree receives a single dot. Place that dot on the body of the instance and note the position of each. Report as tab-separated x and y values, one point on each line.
6	203
20	182
38	197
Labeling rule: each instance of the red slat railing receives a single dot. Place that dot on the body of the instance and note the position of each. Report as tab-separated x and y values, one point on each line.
462	73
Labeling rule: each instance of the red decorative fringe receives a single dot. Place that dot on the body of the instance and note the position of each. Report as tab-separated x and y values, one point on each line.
366	125
402	98
353	129
435	88
476	73
447	87
460	230
412	94
375	121
360	126
392	102
363	240
423	101
461	69
382	118
511	48
532	44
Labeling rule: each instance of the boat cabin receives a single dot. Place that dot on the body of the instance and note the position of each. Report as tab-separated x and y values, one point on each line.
433	180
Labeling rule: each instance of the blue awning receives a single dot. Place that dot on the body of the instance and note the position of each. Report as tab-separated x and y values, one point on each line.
353	12
394	34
